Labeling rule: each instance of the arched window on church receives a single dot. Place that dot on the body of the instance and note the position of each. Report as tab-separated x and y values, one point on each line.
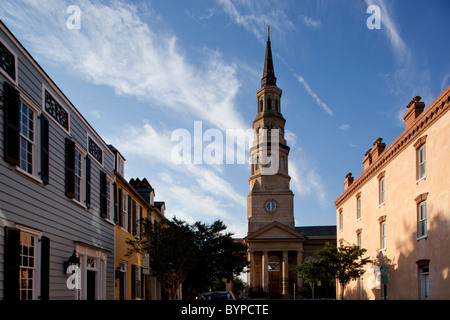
261	103
282	164
274	264
269	104
277	104
257	163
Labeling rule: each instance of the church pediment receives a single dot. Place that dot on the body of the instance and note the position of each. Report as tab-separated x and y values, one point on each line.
275	231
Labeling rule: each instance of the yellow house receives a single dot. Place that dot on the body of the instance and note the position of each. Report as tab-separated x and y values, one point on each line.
133	202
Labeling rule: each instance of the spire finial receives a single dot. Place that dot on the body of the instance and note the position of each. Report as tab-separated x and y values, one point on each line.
269	74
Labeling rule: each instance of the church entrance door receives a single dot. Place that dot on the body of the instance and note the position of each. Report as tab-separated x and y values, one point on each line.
275	282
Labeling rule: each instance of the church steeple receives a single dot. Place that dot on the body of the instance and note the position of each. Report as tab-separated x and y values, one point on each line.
268	78
270	198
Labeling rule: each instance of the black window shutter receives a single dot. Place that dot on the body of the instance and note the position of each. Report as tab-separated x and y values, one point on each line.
11	125
142	284
70	168
129	214
140	223
11	264
45	268
115	202
103	195
88	182
120	208
44	149
133	281
133	218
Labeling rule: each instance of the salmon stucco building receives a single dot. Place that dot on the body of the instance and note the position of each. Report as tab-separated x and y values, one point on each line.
399	209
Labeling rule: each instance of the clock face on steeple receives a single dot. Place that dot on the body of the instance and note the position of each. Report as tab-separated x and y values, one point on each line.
271	206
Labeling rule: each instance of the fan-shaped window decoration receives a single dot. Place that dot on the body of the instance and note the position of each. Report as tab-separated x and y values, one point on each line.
274	264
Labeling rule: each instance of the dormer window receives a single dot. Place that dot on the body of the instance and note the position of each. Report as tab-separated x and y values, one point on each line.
121	165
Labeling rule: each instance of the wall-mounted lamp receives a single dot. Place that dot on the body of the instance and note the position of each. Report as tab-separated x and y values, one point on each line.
73	260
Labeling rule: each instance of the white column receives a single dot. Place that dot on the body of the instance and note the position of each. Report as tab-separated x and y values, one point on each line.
285	273
265	271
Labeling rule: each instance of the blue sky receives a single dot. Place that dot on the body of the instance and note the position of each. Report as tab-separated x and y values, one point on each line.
139	70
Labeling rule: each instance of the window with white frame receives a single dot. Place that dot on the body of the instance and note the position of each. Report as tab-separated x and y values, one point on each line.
422	219
382	189
341	220
27	139
78	175
383	235
424	279
425	283
359	238
124	210
358	207
28	266
108	199
421	162
121	165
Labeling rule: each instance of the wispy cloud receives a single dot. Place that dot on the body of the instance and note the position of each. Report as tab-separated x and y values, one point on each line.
316	98
306	181
344	127
254	16
192	192
390	29
402	83
114	47
310	22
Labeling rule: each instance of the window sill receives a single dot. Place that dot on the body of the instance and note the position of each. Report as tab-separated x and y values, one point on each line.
29	175
109	220
423	178
80	204
422	237
381	204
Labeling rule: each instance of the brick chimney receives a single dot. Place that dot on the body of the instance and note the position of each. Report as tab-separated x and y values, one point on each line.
415	108
378	148
144	189
348	180
367	161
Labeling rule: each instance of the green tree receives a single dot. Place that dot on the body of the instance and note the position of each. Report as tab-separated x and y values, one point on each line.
344	263
311	272
171	249
195	255
218	256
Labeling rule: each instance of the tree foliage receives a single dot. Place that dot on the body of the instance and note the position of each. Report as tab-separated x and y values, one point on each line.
218	256
171	249
195	254
345	262
311	272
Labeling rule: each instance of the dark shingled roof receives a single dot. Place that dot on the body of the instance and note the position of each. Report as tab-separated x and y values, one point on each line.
317	230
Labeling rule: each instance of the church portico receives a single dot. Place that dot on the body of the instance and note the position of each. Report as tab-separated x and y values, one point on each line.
274	272
274	252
